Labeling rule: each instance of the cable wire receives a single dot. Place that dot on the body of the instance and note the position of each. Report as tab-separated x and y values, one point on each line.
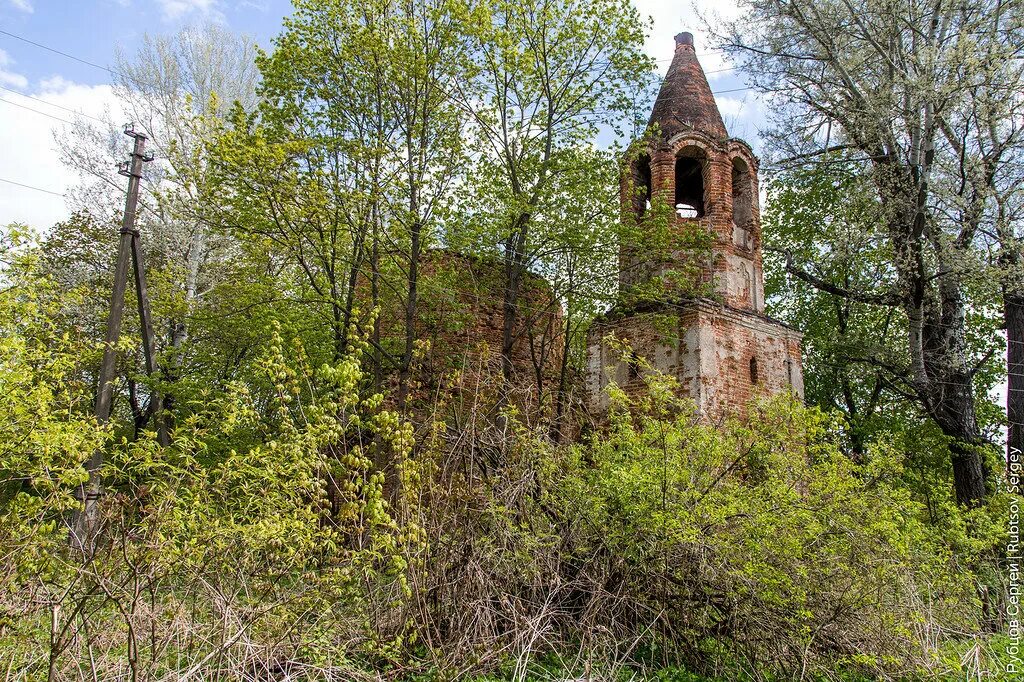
64	54
38	189
57	106
35	111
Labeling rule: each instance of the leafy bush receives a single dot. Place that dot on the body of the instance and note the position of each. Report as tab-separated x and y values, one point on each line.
763	539
293	528
250	543
757	545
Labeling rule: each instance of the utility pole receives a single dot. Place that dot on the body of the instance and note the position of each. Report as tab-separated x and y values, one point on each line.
85	523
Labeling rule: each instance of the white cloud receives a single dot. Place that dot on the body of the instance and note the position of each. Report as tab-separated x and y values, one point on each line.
31	155
23	5
9	78
176	9
672	16
729	106
14	80
744	116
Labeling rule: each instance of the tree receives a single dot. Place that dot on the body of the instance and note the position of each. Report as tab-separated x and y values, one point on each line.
423	57
166	88
296	178
888	84
549	75
350	158
825	215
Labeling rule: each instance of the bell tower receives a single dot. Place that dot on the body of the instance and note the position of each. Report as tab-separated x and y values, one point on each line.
708	178
720	345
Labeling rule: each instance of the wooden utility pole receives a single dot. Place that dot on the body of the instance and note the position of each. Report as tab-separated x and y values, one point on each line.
85	523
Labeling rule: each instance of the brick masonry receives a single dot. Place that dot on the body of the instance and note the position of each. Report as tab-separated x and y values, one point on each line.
723	349
460	320
722	357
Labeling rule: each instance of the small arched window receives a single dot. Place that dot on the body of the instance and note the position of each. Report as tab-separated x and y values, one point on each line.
689	184
753	371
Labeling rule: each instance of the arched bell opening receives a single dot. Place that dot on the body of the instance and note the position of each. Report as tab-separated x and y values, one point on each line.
642	185
742	204
689	183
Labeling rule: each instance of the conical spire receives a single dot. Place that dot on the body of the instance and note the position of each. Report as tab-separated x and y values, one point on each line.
685	101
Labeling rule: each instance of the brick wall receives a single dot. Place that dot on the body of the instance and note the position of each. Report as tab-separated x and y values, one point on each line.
460	317
707	347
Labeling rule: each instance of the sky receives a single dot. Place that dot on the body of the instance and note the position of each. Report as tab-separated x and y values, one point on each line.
40	90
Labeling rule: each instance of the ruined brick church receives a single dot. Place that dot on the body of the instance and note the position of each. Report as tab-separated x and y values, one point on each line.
720	345
714	337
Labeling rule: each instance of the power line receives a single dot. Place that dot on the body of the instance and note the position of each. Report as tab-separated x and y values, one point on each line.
722	92
38	189
57	106
121	75
491	297
63	54
36	111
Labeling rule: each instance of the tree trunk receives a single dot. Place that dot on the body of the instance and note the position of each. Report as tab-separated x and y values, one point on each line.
410	309
375	298
510	307
344	319
955	417
179	329
968	474
949	389
557	426
514	269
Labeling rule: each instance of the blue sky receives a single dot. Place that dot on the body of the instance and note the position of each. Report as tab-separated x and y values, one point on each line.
32	78
94	29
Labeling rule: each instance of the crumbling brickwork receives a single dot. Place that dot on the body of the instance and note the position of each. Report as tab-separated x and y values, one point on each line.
723	349
721	356
459	323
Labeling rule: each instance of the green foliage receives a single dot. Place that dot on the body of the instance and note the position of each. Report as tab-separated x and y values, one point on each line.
266	509
766	532
268	533
855	352
298	488
46	433
298	527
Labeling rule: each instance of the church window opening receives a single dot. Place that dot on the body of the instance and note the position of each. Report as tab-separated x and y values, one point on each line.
689	185
742	205
753	371
642	185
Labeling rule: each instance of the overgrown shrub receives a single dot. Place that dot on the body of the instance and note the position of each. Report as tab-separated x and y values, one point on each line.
256	543
757	543
293	530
